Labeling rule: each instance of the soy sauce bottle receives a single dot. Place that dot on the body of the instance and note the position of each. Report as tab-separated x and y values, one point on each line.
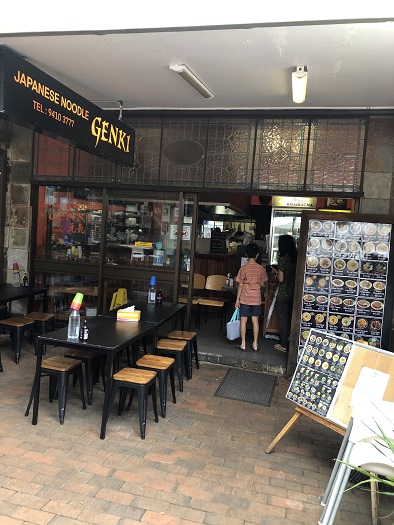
159	297
84	331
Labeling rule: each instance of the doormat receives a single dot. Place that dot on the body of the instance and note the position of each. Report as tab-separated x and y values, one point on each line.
251	387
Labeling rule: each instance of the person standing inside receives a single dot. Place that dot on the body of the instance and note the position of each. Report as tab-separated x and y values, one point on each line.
250	279
287	262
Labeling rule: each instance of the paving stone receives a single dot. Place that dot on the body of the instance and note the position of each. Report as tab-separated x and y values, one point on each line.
205	463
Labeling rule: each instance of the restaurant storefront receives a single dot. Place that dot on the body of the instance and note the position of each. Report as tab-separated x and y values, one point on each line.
103	220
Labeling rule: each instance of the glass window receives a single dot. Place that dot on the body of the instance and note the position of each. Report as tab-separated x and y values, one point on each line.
69	224
134	289
62	289
143	231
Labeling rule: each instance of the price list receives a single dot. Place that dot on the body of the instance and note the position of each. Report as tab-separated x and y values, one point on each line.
345	280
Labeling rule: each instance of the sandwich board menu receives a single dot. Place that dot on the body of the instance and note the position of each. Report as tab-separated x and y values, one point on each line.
333	374
319	371
345	281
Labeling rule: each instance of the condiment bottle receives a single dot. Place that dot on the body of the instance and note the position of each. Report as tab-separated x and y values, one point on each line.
152	290
84	331
159	297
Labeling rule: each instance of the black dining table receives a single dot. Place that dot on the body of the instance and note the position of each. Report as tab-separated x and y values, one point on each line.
152	313
9	293
107	336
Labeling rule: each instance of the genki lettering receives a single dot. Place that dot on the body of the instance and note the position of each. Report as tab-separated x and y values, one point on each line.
103	130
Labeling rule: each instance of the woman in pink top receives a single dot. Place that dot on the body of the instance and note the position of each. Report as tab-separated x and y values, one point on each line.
251	278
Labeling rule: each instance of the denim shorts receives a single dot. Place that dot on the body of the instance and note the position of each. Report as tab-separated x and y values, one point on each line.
245	310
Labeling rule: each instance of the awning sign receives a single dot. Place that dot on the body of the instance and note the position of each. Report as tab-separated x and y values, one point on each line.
33	97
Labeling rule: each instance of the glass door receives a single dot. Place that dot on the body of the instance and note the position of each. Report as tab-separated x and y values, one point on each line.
283	222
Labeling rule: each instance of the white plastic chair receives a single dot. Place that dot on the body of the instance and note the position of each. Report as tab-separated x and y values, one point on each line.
362	446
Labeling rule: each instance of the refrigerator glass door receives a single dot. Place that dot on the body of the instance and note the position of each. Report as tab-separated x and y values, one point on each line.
283	222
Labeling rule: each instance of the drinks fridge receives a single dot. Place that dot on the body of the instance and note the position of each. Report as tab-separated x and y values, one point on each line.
286	220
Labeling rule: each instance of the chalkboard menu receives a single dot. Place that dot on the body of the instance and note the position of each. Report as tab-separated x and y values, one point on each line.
319	370
345	280
218	242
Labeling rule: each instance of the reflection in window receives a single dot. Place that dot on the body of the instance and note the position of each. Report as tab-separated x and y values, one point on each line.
69	224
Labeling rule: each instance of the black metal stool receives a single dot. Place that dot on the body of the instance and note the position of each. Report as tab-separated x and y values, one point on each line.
164	367
59	370
140	381
93	362
191	338
177	350
16	326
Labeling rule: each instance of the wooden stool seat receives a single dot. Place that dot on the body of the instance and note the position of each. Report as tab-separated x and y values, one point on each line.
175	348
59	370
17	327
164	367
169	344
182	334
93	362
16	321
183	300
140	381
59	364
40	316
191	338
134	375
211	302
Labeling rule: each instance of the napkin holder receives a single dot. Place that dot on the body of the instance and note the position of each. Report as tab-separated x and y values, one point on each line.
128	314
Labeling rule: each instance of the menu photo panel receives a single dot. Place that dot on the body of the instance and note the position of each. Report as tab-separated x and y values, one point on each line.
345	279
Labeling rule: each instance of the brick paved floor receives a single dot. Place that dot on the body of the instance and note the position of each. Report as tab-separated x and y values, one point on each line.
205	463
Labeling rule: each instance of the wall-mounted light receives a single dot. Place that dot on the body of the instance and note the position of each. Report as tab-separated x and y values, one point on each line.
299	78
184	72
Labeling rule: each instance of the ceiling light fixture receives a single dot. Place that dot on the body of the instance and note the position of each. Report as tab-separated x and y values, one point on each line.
299	78
184	72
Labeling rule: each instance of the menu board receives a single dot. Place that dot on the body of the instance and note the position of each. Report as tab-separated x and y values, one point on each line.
333	373
345	280
319	371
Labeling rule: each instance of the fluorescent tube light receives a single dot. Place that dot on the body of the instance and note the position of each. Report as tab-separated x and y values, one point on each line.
184	72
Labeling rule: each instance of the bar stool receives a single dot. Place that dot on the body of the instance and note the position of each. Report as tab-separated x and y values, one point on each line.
191	338
3	312
17	326
42	321
164	367
93	361
59	370
177	350
140	381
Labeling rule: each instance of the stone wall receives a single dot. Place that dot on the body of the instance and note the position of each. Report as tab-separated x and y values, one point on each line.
379	168
18	210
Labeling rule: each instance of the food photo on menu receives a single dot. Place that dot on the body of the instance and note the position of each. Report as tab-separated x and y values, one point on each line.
319	370
345	279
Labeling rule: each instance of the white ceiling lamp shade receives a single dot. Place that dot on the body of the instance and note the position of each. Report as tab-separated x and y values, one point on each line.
299	78
184	72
